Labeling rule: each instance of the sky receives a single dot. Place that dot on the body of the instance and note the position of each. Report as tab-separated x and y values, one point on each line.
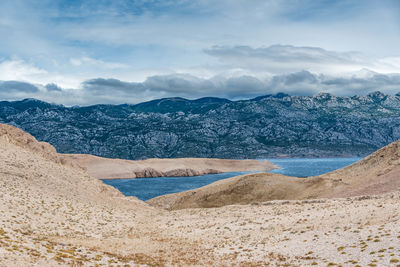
128	51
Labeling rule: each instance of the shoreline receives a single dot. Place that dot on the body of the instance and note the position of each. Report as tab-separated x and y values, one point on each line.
247	172
113	169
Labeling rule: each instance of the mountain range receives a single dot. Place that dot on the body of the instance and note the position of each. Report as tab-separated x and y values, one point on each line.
268	126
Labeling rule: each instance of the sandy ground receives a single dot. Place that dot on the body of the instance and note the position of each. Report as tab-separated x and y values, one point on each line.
54	214
343	232
104	168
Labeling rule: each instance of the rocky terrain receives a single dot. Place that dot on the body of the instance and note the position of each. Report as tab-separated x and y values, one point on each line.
104	168
269	126
53	213
376	174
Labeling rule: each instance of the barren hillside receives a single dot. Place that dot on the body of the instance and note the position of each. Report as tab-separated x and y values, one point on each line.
52	213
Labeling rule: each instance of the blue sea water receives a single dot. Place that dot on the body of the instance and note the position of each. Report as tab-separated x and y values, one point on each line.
147	188
302	167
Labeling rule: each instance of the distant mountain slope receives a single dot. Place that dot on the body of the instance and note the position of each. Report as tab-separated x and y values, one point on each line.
268	126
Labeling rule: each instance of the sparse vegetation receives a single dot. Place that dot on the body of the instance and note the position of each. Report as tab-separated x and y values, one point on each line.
53	213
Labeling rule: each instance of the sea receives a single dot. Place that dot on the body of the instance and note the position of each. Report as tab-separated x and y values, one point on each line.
147	188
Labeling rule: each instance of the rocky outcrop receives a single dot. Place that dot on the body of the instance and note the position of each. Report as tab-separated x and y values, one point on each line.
190	172
151	172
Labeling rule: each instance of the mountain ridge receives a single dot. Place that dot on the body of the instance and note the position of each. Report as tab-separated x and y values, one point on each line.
268	126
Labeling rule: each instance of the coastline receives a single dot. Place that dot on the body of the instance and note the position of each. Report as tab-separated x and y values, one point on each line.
111	169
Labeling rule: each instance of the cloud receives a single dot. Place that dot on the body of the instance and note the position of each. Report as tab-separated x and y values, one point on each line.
280	53
100	84
96	62
358	85
15	86
86	39
51	87
179	83
114	91
10	90
288	58
18	69
143	50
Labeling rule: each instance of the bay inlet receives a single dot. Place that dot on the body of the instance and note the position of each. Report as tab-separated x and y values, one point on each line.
147	188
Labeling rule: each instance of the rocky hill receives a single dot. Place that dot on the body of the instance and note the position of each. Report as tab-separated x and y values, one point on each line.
268	126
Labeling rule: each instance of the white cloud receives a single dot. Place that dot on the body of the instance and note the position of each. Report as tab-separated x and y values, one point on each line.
280	59
19	70
96	63
75	61
388	64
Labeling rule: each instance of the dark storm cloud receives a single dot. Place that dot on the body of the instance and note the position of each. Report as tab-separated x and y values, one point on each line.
53	87
296	78
103	86
357	85
181	83
15	87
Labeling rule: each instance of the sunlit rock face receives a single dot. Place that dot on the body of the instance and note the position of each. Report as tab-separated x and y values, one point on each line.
268	126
